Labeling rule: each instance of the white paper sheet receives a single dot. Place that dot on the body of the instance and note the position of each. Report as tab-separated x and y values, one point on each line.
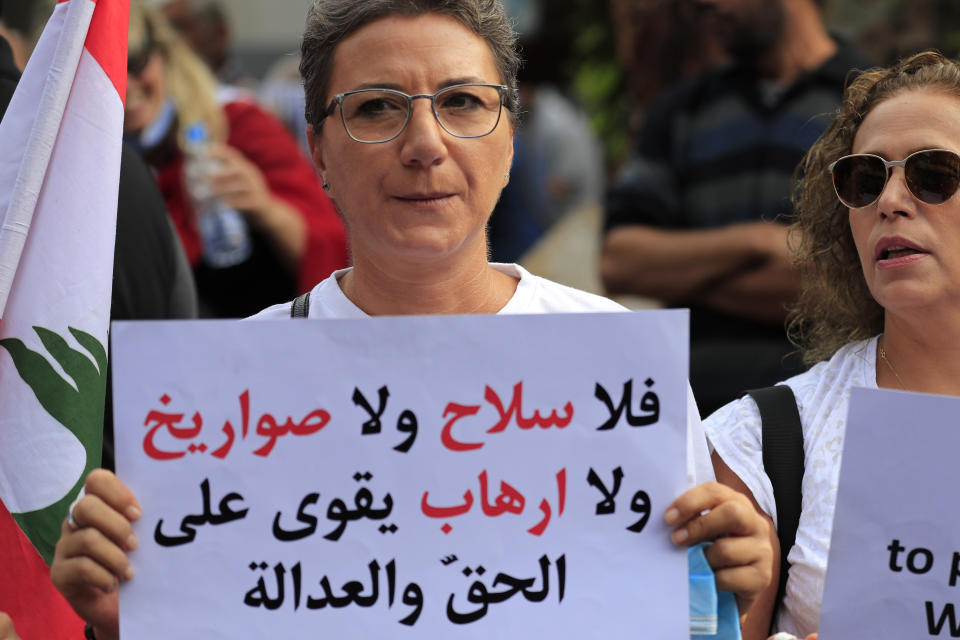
314	529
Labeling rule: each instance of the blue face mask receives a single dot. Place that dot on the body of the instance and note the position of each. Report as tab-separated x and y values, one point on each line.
151	135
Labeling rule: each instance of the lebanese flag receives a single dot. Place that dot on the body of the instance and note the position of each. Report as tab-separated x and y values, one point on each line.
59	176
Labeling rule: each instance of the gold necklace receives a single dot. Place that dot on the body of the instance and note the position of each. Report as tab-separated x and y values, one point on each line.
883	356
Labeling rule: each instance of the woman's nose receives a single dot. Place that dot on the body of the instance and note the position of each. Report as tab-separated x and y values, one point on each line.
423	140
896	198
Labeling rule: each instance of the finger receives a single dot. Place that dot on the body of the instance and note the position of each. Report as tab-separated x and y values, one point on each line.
79	575
223	184
7	631
734	517
93	513
734	552
92	544
693	502
106	486
743	581
230	159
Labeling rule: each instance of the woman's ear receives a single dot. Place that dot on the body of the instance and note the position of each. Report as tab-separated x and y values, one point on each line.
506	177
316	150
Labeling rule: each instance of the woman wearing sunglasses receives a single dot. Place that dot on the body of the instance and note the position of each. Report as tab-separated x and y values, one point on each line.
878	237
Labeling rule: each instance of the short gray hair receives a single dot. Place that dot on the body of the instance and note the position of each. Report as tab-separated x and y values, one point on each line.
331	21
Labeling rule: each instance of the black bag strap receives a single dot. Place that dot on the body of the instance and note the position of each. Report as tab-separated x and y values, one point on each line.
300	307
783	462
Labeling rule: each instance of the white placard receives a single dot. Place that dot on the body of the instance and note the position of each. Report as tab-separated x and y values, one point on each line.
895	552
428	477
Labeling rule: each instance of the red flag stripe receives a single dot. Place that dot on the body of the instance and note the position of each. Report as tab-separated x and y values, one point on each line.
26	586
107	40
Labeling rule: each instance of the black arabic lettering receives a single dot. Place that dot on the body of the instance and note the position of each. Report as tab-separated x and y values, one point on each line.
308	519
649	403
608	504
338	512
478	593
259	597
640	504
407	423
412	597
189	522
372	425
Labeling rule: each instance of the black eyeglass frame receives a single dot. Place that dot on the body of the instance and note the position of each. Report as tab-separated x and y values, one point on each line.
340	97
887	165
138	60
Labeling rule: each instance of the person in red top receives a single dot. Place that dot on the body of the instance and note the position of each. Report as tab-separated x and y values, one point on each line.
296	235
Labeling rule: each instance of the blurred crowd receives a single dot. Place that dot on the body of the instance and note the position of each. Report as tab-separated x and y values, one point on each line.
654	161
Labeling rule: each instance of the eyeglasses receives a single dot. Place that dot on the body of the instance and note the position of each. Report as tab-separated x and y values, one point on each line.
932	176
380	115
138	61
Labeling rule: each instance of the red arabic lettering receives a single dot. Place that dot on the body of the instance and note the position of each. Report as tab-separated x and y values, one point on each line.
561	490
458	411
540	527
224	449
170	421
446	512
267	426
245	411
515	411
509	500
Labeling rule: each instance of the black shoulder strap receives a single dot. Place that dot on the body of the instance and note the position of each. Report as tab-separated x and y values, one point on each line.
783	462
300	307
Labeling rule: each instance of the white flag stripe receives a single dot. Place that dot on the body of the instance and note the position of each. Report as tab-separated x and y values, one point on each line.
64	274
42	136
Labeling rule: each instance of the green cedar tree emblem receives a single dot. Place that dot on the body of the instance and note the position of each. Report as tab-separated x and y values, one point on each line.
78	409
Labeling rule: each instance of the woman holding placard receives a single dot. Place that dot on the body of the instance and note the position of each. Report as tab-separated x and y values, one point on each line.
878	237
411	106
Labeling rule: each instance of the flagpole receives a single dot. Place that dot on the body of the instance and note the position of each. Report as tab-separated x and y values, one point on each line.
43	135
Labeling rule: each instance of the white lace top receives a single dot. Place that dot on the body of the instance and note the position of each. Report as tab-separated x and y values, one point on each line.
823	394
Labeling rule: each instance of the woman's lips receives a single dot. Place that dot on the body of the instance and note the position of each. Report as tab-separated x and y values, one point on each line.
427	200
892	253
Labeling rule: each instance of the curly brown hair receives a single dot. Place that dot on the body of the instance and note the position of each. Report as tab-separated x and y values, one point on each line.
835	306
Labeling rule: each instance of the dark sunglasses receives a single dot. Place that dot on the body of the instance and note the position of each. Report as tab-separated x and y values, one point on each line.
932	176
137	60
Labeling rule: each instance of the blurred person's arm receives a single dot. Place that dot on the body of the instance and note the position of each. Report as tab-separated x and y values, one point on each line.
763	292
679	266
286	202
652	249
243	186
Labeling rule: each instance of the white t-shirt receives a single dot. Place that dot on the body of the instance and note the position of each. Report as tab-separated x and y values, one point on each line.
823	395
533	295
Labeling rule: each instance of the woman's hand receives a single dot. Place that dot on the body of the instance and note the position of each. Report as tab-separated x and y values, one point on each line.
243	186
90	559
741	554
7	632
239	182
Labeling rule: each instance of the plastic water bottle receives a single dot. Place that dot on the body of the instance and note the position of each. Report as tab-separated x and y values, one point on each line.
226	238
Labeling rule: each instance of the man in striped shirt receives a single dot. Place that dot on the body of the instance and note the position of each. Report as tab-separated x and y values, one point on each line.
692	220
